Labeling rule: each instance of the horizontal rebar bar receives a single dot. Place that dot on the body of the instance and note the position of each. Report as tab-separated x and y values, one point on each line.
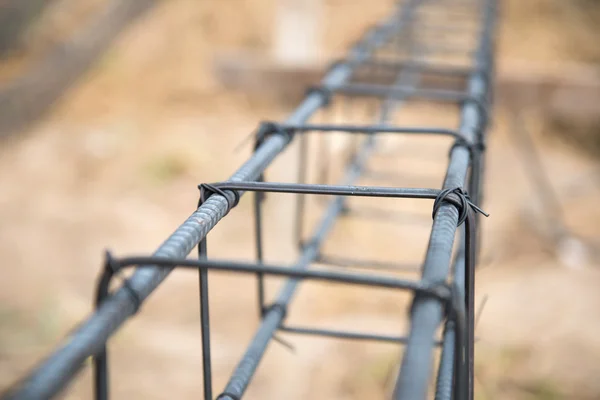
329	190
366	129
291	271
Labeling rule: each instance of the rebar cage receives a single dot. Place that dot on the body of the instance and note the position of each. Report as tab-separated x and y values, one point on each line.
433	52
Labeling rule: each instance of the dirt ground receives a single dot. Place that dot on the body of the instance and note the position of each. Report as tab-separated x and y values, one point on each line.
116	165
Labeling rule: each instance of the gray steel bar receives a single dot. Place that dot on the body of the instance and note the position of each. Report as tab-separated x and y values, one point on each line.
446	371
245	370
53	374
56	371
291	271
330	190
444	385
367	129
415	371
272	319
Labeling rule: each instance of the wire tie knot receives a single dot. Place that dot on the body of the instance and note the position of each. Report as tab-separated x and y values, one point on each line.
276	306
207	190
324	91
459	198
111	267
269	128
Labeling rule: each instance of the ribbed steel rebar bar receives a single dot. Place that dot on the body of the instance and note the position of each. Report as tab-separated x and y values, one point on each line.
415	371
464	170
55	372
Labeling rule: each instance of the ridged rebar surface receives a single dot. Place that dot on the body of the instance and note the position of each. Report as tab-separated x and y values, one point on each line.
396	50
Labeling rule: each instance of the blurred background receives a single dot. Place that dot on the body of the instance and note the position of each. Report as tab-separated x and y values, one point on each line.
111	113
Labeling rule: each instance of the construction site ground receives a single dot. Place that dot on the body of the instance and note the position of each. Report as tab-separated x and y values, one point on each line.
116	165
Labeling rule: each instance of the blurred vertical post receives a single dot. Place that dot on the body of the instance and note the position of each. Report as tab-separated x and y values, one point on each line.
297	33
297	43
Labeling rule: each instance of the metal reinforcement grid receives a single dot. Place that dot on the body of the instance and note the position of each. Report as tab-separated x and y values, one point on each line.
433	52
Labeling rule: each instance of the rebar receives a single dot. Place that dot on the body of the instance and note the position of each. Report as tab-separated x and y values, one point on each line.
389	65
